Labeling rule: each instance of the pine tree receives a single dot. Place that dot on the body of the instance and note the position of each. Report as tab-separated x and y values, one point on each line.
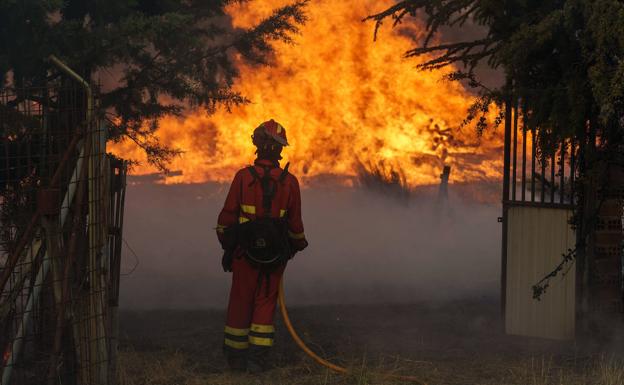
563	59
171	54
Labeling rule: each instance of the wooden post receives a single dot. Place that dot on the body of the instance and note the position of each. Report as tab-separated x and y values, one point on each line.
444	179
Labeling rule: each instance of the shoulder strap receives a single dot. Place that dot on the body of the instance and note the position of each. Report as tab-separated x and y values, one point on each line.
268	185
254	174
284	173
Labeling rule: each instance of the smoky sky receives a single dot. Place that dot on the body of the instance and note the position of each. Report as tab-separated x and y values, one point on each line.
364	248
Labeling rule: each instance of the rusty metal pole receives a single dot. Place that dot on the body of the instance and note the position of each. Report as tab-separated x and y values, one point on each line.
90	142
65	290
506	177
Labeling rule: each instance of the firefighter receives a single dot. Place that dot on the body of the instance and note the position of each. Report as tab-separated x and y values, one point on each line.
260	229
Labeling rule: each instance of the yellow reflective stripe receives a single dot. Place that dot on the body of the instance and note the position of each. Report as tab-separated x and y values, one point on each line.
236	332
221	228
248	209
243	220
262	328
262	341
282	213
236	344
296	235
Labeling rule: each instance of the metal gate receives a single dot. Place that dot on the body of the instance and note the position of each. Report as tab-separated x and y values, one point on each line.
538	198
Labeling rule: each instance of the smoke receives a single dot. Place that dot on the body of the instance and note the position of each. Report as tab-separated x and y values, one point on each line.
364	248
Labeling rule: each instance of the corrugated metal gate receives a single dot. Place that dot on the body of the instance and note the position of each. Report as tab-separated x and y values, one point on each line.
537	236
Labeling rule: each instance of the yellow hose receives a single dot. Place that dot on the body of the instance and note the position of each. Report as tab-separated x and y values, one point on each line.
316	357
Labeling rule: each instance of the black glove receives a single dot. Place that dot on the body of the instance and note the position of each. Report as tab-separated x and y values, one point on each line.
229	238
297	245
226	260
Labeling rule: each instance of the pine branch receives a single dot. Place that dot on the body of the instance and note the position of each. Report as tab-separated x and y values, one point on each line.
397	12
167	55
441	13
158	155
254	43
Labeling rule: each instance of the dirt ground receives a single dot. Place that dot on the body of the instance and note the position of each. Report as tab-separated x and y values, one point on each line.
442	343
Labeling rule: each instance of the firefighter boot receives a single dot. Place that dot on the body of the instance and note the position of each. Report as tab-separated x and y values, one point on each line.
258	359
236	359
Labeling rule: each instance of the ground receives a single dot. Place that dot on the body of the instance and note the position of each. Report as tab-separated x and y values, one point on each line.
459	342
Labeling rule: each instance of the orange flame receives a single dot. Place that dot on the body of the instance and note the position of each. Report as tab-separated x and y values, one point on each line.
345	101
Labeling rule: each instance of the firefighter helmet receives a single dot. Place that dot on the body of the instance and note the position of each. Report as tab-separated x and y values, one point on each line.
270	130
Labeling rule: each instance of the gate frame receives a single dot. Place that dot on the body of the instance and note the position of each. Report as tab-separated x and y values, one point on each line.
510	196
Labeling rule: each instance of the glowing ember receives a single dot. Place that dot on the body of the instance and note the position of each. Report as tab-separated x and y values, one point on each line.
345	100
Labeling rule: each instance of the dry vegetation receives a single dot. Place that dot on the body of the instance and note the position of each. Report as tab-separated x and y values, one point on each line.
388	180
175	367
459	343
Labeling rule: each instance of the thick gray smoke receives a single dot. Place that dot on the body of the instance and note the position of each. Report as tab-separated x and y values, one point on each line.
364	248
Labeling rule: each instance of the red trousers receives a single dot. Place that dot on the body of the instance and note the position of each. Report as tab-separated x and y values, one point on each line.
253	298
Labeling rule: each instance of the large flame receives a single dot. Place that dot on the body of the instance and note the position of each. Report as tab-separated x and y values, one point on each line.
346	102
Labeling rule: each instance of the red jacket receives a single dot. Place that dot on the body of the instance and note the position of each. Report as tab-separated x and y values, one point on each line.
244	202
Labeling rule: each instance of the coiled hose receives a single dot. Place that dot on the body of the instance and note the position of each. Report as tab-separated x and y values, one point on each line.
316	357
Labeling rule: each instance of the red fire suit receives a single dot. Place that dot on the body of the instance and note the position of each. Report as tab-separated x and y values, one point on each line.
252	304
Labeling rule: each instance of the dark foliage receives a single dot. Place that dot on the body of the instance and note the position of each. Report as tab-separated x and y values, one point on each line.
563	59
169	54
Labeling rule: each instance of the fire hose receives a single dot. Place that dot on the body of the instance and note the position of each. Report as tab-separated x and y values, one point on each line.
316	357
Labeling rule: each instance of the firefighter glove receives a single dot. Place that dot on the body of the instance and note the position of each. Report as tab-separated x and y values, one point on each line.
226	260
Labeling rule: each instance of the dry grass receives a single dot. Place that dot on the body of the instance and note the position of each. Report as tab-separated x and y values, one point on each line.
609	371
385	179
438	343
178	368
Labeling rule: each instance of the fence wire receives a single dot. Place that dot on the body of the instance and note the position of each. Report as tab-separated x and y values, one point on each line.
61	215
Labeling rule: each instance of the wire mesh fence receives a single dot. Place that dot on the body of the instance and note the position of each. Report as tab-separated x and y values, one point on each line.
61	213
